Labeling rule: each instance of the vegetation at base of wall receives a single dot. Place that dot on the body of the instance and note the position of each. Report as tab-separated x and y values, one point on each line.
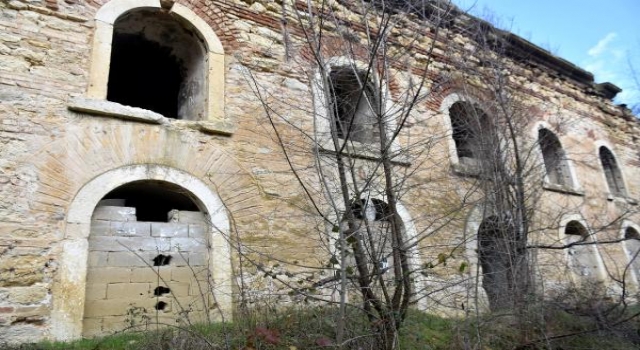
314	328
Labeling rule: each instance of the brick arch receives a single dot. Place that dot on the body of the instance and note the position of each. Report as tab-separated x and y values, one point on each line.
87	150
214	16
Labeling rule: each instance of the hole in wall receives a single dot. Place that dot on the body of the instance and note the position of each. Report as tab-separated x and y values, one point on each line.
153	199
162	260
160	290
161	305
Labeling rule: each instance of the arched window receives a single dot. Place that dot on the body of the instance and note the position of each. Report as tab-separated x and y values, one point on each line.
160	57
159	64
472	133
555	160
612	172
632	246
354	105
583	256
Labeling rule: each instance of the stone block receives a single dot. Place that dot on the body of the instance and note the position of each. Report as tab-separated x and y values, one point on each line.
27	295
31	311
97	259
110	213
186	217
131	229
127	290
198	259
128	244
169	229
110	307
199	288
107	275
100	228
151	274
179	289
183	274
96	291
188	244
125	259
22	333
92	327
198	232
118	323
179	259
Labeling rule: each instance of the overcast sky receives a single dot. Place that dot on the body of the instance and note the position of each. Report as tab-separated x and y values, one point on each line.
601	36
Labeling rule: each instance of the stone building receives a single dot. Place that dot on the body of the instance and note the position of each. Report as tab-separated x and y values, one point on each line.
138	166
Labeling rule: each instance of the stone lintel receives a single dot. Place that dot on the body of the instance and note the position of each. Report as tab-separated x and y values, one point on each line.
361	153
221	127
562	189
115	110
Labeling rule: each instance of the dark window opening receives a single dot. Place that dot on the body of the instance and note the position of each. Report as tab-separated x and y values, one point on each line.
575	228
472	132
612	172
554	158
144	74
494	257
631	233
354	106
153	199
158	63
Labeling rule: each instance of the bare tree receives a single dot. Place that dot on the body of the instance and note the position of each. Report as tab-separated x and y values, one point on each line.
366	86
371	68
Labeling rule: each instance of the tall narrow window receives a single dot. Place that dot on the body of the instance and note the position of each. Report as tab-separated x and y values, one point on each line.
355	108
472	133
612	172
555	160
158	64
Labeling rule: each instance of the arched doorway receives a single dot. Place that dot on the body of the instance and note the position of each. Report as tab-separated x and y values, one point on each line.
148	259
70	285
495	257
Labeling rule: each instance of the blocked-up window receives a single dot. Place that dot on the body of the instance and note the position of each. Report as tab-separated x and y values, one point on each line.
159	64
583	256
632	245
555	160
612	172
354	105
374	224
472	133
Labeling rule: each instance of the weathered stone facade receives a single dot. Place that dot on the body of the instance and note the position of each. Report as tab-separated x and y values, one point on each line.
65	146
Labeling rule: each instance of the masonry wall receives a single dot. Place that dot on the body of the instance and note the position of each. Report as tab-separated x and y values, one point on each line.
142	271
49	153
